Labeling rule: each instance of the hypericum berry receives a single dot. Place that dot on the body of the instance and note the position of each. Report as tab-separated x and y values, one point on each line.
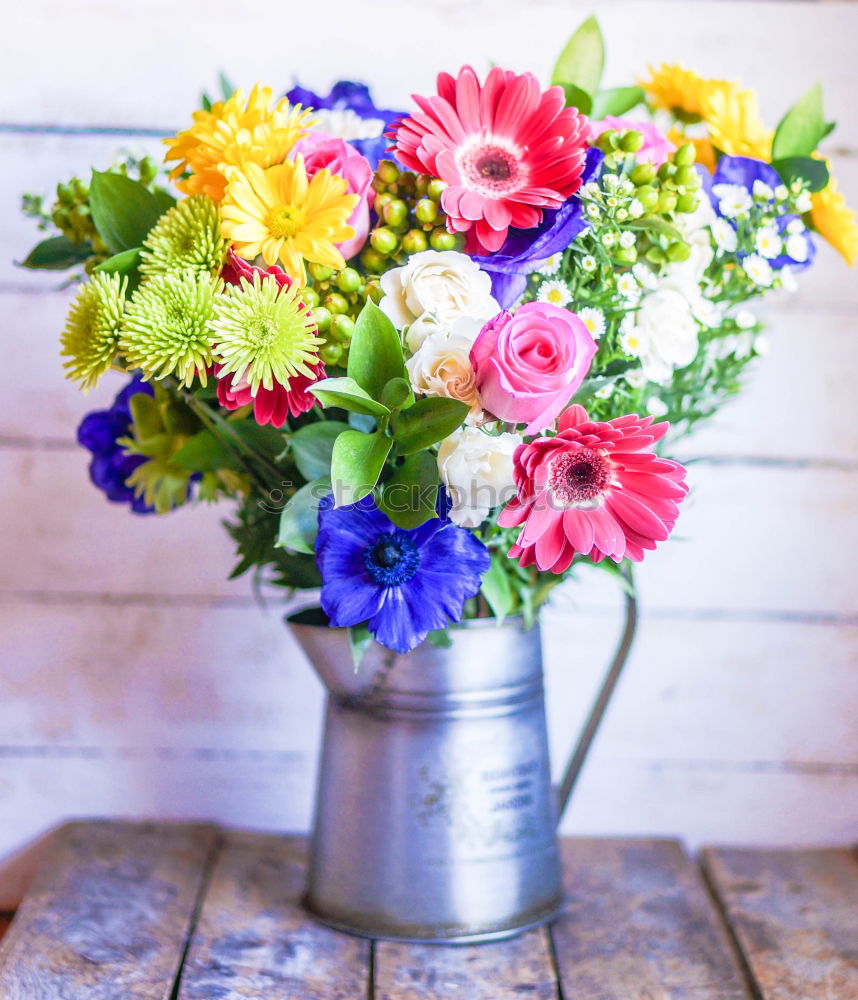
442	240
426	211
415	241
395	213
336	303
384	241
678	252
643	173
331	353
687	203
319	272
631	141
322	317
348	280
342	327
387	172
685	155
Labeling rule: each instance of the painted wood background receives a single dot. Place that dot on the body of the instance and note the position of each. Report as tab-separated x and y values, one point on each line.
136	681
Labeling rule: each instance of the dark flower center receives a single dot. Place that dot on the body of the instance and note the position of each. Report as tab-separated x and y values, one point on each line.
578	477
491	169
494	168
392	560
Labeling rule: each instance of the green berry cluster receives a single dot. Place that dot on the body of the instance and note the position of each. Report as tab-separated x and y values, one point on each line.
410	218
71	212
336	298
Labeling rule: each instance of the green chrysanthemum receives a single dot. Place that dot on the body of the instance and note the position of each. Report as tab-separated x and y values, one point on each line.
185	238
264	334
91	335
166	328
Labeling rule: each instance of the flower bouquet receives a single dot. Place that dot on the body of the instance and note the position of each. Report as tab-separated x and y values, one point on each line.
431	355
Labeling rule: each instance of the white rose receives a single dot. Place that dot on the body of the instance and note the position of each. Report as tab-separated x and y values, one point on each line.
477	471
442	367
432	290
667	333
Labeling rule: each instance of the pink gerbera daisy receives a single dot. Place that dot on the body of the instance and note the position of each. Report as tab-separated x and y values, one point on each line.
270	406
594	489
506	149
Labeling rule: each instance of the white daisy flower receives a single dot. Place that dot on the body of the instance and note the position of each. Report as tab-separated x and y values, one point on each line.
761	344
622	214
625	186
758	270
768	242
797	248
724	235
636	209
795	226
635	378
745	319
627	286
554	292
552	265
743	345
594	320
609	239
611	182
588	263
591	190
803	202
787	279
604	392
762	191
627	240
656	407
632	343
611	202
593	211
733	199
781	192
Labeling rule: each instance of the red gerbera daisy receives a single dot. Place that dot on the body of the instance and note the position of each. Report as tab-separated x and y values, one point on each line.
506	149
594	489
270	406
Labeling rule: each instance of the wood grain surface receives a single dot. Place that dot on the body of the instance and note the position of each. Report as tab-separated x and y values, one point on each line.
639	925
108	914
253	939
795	916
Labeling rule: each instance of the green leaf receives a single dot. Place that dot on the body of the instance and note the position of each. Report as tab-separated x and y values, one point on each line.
802	128
397	393
577	98
430	420
439	638
205	453
408	497
346	393
56	254
299	519
145	415
616	101
656	224
267	440
123	210
582	60
497	588
356	464
313	445
375	353
226	87
360	639
803	168
164	199
125	262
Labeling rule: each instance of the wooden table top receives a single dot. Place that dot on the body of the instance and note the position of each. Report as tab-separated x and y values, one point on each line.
147	911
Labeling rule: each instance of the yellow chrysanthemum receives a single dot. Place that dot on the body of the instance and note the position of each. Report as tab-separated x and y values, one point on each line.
288	217
677	89
234	132
733	120
835	221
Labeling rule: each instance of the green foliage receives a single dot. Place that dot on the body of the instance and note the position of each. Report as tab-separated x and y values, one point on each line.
345	392
410	493
123	210
204	452
802	128
577	98
427	422
375	354
57	253
299	520
813	173
356	464
360	639
616	101
582	60
497	586
313	445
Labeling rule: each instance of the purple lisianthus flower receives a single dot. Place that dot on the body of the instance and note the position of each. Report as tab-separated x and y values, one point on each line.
110	466
355	97
744	172
403	584
526	250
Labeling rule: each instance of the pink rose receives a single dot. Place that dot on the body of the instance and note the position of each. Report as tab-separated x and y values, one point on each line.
323	151
528	366
656	145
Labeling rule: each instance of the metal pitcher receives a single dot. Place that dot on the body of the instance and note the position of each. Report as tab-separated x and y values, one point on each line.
435	815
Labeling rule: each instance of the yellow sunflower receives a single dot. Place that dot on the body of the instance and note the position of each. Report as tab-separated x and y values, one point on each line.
676	89
231	133
287	217
835	221
733	120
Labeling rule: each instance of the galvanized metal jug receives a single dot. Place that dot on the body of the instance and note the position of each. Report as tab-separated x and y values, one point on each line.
435	814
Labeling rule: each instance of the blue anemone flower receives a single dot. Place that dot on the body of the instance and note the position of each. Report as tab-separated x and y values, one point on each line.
526	250
348	96
403	584
111	466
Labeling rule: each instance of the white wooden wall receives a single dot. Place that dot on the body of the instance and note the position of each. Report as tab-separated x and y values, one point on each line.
134	680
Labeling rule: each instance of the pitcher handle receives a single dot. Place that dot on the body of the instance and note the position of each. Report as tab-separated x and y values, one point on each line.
600	705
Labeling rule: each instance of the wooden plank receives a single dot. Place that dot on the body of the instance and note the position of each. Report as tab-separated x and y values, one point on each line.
639	925
108	914
506	970
254	940
795	916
